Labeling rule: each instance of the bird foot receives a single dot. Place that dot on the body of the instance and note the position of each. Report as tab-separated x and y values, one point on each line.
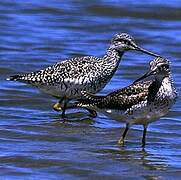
57	107
121	142
65	120
93	114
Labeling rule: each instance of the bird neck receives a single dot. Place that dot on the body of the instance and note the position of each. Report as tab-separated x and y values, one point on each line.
113	56
160	77
156	85
153	90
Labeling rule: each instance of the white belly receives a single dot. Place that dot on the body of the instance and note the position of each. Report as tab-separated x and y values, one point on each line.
71	91
144	113
141	113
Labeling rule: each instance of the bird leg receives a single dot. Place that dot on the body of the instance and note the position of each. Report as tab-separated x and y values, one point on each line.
64	108
58	107
144	136
92	114
121	140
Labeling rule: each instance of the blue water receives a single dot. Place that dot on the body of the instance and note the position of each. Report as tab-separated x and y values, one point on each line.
34	142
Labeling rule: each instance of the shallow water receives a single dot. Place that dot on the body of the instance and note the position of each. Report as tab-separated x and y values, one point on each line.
35	144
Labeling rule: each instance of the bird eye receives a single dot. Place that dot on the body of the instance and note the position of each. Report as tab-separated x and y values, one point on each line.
165	66
122	41
125	42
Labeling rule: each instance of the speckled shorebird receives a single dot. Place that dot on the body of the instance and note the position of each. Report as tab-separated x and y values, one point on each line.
142	102
66	79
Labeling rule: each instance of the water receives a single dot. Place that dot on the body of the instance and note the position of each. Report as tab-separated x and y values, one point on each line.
34	142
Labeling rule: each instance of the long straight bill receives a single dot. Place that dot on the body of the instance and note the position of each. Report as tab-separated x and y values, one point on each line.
147	52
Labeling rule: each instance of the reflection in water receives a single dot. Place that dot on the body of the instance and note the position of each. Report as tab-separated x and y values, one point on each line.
136	155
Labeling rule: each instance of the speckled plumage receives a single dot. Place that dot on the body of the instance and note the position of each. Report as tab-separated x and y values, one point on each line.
66	79
122	99
69	78
140	103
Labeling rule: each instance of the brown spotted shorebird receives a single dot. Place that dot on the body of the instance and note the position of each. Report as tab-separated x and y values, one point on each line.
66	79
143	102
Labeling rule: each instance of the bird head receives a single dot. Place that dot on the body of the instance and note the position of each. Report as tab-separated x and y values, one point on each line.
159	68
124	42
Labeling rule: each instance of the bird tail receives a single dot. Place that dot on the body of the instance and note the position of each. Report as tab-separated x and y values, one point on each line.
26	78
14	78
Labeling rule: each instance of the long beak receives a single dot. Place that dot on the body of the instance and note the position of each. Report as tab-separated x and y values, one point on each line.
137	48
149	73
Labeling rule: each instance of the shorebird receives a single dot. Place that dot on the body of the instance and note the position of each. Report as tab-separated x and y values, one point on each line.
66	79
142	102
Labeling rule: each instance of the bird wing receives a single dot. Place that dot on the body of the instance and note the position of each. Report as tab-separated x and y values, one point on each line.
129	96
66	71
121	99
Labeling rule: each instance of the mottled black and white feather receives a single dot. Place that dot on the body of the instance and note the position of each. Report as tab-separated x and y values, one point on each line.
69	77
141	102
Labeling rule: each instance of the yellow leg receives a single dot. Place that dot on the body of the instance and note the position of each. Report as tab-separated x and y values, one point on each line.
121	140
57	107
